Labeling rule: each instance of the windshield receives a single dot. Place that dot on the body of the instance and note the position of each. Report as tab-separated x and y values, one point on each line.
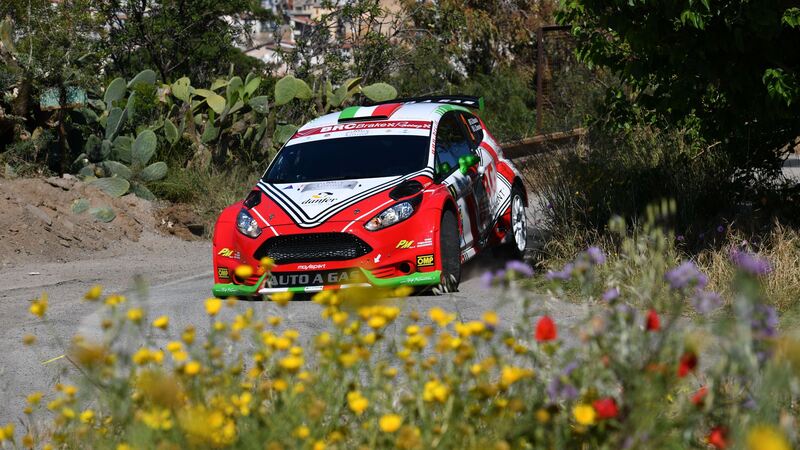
349	158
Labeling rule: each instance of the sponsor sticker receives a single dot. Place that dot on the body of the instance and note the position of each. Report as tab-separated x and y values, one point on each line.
222	272
405	244
427	242
424	260
311	266
228	253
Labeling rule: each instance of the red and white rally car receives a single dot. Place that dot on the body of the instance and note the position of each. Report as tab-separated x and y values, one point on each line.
401	193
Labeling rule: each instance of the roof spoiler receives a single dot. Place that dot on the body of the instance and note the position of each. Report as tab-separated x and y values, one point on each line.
461	100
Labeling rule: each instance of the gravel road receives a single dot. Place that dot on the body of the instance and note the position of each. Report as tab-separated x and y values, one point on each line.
178	274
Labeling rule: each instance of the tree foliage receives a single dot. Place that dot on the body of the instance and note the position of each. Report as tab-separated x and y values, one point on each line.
724	66
176	37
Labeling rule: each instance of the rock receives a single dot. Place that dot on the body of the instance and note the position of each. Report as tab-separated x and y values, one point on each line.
39	214
63	183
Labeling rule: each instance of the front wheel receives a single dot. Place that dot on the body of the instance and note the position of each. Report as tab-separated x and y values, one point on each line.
449	253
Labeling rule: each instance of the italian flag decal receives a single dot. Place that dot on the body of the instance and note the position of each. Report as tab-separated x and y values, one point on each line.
379	111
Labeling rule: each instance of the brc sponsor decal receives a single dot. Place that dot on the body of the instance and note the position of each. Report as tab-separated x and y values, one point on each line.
228	253
410	124
424	260
223	273
405	244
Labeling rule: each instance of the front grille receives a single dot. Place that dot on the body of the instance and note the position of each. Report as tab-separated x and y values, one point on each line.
313	247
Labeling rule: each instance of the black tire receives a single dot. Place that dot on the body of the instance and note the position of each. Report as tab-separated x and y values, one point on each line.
511	249
449	253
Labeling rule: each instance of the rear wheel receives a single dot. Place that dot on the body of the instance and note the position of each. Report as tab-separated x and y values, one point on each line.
514	247
449	253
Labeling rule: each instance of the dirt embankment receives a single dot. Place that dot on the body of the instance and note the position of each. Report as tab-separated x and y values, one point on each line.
38	222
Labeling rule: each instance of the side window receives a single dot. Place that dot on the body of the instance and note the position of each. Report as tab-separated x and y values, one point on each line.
473	126
451	144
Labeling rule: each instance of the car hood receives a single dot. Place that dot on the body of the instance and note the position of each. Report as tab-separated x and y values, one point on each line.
310	204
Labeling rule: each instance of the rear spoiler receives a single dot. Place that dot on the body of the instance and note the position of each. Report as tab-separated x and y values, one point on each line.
461	100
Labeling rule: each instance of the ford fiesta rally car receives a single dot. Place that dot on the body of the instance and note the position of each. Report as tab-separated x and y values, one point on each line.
397	194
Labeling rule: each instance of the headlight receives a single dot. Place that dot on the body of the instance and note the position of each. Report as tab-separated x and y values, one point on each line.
247	225
391	216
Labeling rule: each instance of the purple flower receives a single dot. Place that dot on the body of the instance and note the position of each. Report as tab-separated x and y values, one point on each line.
702	236
486	279
720	228
686	275
563	274
596	255
706	301
560	386
764	322
750	262
680	238
520	268
611	294
549	206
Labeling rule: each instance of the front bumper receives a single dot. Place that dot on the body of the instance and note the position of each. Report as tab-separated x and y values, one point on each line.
414	279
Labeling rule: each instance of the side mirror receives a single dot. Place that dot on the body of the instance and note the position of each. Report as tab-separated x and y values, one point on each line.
465	162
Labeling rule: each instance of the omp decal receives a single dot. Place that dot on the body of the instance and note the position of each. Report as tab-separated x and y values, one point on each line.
228	253
405	244
302	218
222	272
424	260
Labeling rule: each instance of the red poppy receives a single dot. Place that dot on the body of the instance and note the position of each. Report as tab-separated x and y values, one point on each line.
687	364
653	321
716	438
546	329
700	396
606	408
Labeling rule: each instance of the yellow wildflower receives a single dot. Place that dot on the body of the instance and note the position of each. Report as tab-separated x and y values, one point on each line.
213	305
542	415
135	315
115	300
34	398
243	271
319	445
440	316
281	298
390	423
491	319
242	402
435	390
584	414
175	346
162	322
291	363
87	416
7	432
510	375
376	322
39	306
274	320
93	293
156	418
266	263
29	339
192	368
358	404
766	437
302	432
67	413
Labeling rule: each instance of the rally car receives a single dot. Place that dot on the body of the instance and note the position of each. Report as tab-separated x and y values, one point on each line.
395	194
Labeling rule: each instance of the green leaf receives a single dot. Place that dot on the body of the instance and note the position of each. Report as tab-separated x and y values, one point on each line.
143	148
209	134
115	91
171	131
302	91
283	133
351	83
113	186
791	17
142	192
118	169
80	205
251	86
218	83
284	90
116	118
146	76
103	214
379	92
216	103
260	104
181	89
154	172
121	149
232	90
